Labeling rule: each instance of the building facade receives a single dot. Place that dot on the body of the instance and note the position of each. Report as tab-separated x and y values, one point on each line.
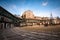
30	19
8	20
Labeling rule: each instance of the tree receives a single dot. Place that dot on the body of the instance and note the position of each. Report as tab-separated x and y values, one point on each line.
57	17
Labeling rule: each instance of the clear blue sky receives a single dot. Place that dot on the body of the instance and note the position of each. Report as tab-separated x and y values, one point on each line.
39	7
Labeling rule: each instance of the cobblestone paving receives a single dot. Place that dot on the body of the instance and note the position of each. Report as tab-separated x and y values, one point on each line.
1	37
18	34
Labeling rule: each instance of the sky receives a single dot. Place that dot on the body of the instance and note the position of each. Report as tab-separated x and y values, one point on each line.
41	8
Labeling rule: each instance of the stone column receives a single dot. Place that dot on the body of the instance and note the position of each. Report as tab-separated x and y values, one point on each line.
12	25
33	24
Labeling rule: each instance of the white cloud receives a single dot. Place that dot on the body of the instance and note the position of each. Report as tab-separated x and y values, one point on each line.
56	12
42	13
44	3
14	9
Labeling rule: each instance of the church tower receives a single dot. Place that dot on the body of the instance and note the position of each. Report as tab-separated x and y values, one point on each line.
51	18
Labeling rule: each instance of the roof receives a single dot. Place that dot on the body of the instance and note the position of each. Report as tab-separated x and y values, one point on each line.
5	13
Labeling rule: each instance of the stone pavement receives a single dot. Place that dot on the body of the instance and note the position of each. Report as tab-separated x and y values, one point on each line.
18	34
1	36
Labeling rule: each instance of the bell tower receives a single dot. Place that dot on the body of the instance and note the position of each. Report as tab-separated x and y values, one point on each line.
51	18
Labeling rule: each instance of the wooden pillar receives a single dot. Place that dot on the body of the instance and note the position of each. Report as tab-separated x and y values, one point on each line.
1	25
9	25
4	25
